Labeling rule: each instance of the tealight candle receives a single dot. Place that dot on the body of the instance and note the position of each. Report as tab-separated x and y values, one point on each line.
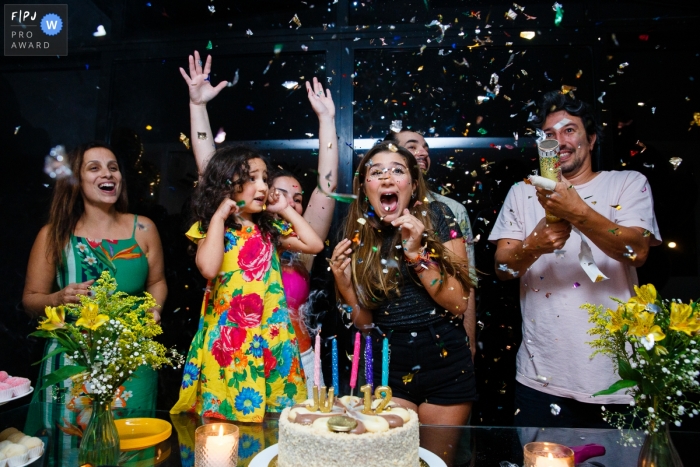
216	445
542	454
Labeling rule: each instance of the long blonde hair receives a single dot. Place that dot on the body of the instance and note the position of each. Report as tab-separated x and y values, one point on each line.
371	284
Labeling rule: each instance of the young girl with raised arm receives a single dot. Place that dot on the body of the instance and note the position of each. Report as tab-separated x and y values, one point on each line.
243	360
318	212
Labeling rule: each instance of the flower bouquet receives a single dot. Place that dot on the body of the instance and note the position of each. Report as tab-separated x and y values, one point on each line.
108	339
655	349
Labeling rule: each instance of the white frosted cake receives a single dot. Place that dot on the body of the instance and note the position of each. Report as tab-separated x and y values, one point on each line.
388	439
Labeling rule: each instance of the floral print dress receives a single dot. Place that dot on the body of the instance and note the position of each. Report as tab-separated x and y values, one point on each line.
244	358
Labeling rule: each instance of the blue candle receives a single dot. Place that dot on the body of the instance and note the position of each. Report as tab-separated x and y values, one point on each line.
369	371
334	367
385	362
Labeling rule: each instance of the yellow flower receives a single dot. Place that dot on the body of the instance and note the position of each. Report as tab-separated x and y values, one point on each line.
617	319
90	317
643	324
646	295
681	319
55	318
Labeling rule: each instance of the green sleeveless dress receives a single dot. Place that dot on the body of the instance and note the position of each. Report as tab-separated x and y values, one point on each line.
84	259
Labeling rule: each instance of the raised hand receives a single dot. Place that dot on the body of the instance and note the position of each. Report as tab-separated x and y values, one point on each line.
411	233
226	209
201	90
340	264
321	101
276	202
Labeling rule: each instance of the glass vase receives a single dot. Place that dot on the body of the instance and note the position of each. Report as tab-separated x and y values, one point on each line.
658	450
100	443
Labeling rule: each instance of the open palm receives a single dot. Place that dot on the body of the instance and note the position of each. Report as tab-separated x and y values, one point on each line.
201	90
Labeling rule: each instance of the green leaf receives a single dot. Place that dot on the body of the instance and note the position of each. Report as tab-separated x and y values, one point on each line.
275	288
51	354
61	374
627	372
622	384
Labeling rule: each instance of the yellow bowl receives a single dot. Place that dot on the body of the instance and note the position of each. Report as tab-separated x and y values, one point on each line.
142	433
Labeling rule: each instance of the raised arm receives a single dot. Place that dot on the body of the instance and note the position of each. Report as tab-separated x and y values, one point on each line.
41	273
319	212
201	91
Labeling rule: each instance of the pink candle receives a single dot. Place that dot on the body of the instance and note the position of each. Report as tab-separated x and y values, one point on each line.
317	361
355	362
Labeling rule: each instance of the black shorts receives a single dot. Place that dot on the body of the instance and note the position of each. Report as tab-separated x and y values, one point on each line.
431	365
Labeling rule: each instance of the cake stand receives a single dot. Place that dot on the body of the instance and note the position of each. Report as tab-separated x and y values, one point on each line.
265	456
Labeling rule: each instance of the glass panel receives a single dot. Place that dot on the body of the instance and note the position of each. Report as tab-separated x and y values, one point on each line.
257	107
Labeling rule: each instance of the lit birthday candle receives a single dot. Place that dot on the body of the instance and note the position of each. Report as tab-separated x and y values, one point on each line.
334	366
317	360
385	362
355	363
369	370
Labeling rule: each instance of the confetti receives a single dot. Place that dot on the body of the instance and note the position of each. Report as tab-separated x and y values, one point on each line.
482	131
548	294
56	163
184	140
295	19
220	136
362	221
576	285
234	81
407	378
202	135
555	409
675	162
559	14
290	84
646	233
396	126
529	35
17	129
443	28
249	32
616	206
100	31
209	46
511	15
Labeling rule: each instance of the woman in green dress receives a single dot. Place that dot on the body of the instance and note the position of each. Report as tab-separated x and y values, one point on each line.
89	231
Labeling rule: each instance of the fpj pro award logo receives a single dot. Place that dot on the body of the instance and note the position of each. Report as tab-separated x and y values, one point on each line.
36	30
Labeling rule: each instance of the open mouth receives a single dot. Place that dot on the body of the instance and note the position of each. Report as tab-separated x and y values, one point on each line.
389	202
260	199
107	187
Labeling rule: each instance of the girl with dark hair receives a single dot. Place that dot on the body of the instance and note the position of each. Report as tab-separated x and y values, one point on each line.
319	211
89	231
243	360
403	273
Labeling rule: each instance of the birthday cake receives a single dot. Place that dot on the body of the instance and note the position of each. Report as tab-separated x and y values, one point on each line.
347	437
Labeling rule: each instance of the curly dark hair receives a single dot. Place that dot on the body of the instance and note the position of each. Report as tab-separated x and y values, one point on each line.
226	172
554	101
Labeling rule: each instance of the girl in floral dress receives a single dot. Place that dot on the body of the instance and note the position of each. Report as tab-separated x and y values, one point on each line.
244	358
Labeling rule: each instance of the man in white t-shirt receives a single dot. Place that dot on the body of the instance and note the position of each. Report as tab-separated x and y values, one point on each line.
415	142
615	212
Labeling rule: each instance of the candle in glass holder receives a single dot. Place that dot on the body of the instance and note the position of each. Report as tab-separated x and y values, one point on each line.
543	454
216	445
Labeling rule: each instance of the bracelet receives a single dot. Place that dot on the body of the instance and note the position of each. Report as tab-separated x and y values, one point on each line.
422	261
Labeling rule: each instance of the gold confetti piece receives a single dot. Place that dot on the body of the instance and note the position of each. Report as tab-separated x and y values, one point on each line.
330	145
149	127
579	74
183	139
696	119
420	68
362	221
567	89
616	206
529	35
407	378
296	21
675	162
646	233
392	147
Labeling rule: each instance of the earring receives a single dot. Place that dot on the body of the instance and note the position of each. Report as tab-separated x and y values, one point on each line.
579	146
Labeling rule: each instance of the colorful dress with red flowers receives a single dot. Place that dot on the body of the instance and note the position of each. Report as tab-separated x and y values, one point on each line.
244	358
